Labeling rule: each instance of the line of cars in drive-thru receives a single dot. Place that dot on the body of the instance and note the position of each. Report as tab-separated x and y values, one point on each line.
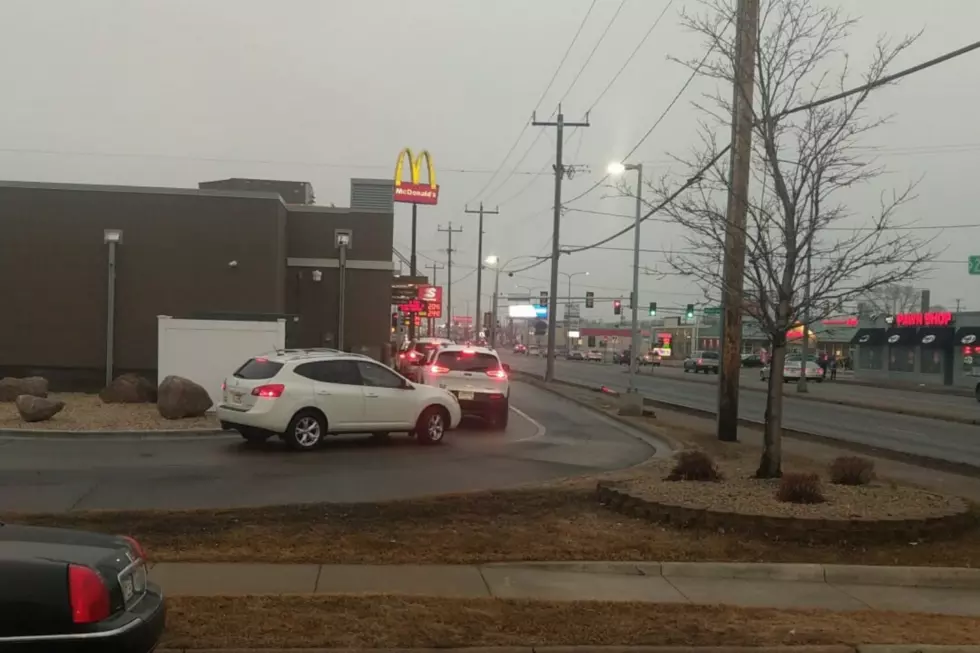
304	395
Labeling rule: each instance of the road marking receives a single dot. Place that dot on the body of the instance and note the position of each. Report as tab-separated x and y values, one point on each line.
541	428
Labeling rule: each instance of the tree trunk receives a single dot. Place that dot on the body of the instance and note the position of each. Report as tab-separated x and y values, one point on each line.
770	466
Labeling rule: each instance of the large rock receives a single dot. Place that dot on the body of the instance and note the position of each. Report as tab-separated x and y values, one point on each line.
129	389
37	409
11	388
178	398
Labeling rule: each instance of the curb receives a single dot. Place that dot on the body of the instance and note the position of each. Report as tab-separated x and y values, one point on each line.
935	577
650	430
956	419
37	434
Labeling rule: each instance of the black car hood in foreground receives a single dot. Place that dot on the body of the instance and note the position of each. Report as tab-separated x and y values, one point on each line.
18	542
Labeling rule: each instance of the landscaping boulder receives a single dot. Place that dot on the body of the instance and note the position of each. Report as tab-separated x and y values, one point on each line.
129	389
37	409
178	398
11	388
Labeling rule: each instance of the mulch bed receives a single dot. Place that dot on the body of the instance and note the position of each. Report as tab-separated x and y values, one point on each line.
84	412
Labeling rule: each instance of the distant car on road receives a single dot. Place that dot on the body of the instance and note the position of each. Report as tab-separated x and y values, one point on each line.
594	355
476	377
575	355
67	590
520	349
752	360
702	361
792	370
303	396
651	358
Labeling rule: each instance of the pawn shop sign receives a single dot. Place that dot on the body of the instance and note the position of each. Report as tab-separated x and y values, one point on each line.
414	192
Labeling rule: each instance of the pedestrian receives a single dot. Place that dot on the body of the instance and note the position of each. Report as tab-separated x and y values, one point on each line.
833	369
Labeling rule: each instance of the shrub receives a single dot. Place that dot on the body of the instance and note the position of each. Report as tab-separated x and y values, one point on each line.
800	488
694	466
852	470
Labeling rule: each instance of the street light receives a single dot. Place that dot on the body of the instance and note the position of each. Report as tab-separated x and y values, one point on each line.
633	404
568	321
493	261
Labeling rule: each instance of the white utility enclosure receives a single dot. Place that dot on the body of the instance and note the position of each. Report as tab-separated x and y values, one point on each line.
207	351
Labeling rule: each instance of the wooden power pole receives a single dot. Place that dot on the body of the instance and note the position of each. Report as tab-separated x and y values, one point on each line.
733	277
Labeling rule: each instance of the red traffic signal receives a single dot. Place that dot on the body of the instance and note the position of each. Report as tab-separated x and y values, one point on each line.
617	307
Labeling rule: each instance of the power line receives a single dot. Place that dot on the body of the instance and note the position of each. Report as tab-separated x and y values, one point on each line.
804	107
592	53
537	104
632	54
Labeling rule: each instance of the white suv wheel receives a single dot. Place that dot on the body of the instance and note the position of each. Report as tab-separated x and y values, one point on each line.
305	431
431	427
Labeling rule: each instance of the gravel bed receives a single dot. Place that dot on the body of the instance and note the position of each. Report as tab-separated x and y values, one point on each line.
738	492
85	412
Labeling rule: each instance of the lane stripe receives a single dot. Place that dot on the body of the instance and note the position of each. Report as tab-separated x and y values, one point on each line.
541	430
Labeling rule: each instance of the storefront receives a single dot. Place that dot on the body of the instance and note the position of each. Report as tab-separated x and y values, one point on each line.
933	348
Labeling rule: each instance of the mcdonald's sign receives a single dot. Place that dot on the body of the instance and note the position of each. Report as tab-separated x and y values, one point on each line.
414	192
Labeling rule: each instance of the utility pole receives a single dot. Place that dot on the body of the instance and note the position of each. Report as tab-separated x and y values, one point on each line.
479	260
560	125
449	284
434	267
413	262
733	279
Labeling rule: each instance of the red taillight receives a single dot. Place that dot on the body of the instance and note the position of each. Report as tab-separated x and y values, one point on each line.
401	355
497	374
270	391
88	595
136	547
700	362
224	386
437	369
261	359
413	354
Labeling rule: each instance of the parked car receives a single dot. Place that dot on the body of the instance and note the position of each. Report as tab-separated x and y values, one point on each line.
792	370
303	396
752	360
575	355
476	378
594	355
413	355
702	361
67	590
621	357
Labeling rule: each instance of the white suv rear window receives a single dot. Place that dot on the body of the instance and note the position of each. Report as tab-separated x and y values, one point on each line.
462	361
258	369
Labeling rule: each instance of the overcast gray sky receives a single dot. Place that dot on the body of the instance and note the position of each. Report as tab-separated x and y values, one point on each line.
172	92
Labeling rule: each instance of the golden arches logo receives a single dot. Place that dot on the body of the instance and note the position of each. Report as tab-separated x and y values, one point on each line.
415	192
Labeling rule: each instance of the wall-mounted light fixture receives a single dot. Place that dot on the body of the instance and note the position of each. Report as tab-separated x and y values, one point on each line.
317	275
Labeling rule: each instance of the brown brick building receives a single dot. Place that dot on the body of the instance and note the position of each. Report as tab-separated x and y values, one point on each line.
183	253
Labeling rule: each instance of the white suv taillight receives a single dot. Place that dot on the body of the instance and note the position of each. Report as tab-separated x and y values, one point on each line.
87	595
497	374
269	391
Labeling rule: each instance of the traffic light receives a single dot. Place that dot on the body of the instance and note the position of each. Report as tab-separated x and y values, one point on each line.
690	311
632	301
617	307
544	298
653	308
589	299
394	320
487	319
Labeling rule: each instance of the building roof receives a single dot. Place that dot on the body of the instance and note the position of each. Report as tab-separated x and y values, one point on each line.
150	190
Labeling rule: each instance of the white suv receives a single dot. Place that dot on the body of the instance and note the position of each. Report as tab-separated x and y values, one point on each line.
476	377
303	395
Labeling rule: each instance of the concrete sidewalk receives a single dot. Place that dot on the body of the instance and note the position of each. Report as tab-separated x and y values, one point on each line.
834	587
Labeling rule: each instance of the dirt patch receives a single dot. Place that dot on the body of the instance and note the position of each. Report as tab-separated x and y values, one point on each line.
397	622
561	523
84	412
739	492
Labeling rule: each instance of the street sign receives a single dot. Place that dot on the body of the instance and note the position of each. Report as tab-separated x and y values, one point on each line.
974	262
712	310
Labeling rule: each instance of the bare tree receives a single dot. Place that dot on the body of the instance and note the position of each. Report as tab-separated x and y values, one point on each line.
803	261
894	298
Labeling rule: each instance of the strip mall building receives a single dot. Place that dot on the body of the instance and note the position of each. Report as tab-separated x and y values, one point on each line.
932	348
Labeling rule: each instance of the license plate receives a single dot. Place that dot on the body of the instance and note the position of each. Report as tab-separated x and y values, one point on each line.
465	395
133	584
237	397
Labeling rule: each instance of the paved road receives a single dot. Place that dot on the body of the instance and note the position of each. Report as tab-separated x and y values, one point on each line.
958	443
560	439
882	398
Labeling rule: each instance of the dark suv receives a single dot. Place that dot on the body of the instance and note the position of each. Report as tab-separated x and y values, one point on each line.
702	361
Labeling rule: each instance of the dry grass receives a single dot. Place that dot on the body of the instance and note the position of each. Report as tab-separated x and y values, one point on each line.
740	492
534	524
87	412
396	622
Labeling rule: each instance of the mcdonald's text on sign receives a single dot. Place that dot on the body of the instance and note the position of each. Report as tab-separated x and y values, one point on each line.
415	192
